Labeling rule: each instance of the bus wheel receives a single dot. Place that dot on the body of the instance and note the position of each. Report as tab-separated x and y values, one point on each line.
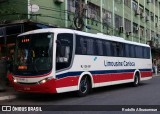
136	80
84	87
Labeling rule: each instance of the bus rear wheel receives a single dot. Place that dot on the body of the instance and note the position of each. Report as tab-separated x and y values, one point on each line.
136	80
84	87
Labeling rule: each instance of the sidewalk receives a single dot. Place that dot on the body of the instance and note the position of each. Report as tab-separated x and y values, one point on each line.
8	94
158	74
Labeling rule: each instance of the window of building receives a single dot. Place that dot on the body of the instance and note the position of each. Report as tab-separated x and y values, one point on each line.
148	33
152	34
147	12
152	16
134	5
156	19
118	21
141	31
71	5
156	3
127	25
107	17
135	28
152	1
118	1
158	36
127	3
141	9
93	11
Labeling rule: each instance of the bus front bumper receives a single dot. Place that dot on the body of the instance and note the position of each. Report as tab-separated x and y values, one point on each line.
47	87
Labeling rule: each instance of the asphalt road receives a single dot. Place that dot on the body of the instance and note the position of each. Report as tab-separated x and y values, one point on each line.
147	93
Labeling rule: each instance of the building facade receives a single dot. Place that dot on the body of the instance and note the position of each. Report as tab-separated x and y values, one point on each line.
134	20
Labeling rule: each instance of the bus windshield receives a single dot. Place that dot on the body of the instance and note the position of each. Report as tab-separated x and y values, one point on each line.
33	54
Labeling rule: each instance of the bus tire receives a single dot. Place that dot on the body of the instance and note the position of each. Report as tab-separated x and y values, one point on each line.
84	87
136	80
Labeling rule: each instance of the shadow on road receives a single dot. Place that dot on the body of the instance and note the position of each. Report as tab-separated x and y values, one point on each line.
116	87
45	97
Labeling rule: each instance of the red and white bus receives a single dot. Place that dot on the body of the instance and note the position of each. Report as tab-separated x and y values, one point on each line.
57	60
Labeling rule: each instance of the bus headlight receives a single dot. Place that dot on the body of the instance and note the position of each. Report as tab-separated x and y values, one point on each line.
14	80
44	80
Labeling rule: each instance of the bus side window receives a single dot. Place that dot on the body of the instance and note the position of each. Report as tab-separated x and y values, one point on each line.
83	46
127	53
146	53
64	51
98	47
90	48
132	51
113	49
79	45
120	49
107	48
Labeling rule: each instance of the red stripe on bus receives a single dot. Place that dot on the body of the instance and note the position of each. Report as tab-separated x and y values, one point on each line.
146	74
68	81
112	77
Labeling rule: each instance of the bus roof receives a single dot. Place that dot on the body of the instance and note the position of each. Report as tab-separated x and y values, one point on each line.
98	35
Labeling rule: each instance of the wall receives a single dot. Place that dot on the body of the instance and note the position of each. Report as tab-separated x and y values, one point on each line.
62	15
13	10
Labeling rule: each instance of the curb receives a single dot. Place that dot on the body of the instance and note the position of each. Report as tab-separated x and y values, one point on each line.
9	97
